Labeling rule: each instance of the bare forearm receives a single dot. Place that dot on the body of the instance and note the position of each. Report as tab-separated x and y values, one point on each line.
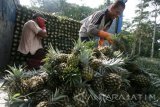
42	33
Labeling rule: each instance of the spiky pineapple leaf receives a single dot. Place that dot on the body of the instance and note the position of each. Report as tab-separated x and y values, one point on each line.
56	97
85	56
14	72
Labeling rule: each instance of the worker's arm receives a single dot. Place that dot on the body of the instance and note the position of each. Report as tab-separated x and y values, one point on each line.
41	23
42	33
34	27
105	35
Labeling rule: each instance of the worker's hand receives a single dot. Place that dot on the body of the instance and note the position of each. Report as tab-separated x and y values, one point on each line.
100	42
41	23
105	35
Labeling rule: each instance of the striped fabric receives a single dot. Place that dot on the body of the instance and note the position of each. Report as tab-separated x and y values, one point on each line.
90	25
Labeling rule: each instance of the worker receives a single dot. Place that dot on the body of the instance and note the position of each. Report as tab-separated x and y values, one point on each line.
30	44
97	24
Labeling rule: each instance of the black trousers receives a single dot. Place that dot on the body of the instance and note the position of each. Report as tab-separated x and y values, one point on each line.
35	61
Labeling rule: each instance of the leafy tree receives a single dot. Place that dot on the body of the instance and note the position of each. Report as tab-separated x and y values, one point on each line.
62	8
142	17
156	11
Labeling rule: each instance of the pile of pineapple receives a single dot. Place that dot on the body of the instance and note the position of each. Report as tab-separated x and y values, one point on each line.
87	77
61	31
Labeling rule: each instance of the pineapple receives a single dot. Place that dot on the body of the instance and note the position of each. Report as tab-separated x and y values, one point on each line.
81	97
62	58
95	64
71	76
54	57
73	60
122	99
39	96
57	99
36	83
141	81
87	71
60	68
21	87
44	76
43	104
106	51
54	80
96	53
144	104
25	88
97	84
14	81
112	81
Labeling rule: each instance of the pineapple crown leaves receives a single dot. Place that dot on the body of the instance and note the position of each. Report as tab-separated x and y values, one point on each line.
118	54
92	93
113	62
72	77
78	46
90	44
103	70
14	73
76	98
17	97
56	97
85	56
52	54
155	80
31	73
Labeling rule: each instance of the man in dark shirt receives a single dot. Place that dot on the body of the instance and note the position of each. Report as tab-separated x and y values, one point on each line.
99	22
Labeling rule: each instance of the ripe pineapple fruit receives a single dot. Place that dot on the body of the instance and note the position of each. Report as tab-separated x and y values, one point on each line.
44	76
73	60
21	87
42	95
53	81
106	51
122	99
97	84
43	104
96	53
112	81
141	81
87	71
144	104
61	67
61	58
36	83
95	64
14	81
24	86
81	97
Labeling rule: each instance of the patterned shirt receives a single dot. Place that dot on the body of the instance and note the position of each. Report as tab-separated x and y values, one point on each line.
95	22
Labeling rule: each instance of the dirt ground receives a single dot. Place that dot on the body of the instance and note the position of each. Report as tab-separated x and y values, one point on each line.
3	96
